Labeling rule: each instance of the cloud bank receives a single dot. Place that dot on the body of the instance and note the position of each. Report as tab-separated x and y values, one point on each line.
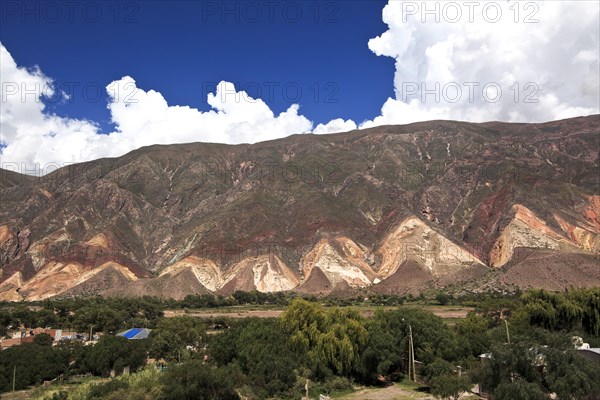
498	60
509	61
30	135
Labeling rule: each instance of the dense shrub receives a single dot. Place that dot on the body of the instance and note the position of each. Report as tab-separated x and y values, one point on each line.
194	380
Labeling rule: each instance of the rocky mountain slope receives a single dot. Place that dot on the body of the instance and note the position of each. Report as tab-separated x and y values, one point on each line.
391	209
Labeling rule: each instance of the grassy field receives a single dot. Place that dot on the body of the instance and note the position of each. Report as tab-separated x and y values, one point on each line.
44	392
19	395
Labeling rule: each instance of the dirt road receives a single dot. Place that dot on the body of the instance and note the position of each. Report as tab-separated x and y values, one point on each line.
443	312
232	314
389	393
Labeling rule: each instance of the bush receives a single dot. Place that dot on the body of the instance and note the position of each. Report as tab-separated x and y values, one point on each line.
518	390
336	384
102	390
449	386
43	339
144	385
62	395
194	380
443	298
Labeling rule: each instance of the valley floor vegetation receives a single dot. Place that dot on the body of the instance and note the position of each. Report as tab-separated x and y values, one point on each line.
517	347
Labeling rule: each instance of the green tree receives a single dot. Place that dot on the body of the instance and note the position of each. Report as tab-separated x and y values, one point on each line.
571	310
438	368
472	335
382	355
570	375
45	318
331	338
432	338
194	380
449	386
102	318
34	364
519	390
507	363
172	336
43	339
589	300
443	298
264	356
116	352
261	350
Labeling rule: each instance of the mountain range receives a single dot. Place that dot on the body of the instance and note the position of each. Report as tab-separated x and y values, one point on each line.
392	209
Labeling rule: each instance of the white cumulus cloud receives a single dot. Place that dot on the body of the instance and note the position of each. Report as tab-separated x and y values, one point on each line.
494	60
27	132
335	125
473	61
144	117
36	142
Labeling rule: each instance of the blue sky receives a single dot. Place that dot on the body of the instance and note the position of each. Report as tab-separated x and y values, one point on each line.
184	48
82	80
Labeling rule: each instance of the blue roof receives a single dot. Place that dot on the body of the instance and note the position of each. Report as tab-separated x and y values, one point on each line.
135	333
132	333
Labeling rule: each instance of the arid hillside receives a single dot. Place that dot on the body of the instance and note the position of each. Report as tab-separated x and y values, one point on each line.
392	209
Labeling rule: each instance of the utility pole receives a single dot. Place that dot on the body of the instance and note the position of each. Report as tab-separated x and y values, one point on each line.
412	375
409	363
507	333
412	353
306	387
91	337
14	376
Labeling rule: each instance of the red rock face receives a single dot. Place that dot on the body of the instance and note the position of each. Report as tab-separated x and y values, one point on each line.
592	212
327	207
480	235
